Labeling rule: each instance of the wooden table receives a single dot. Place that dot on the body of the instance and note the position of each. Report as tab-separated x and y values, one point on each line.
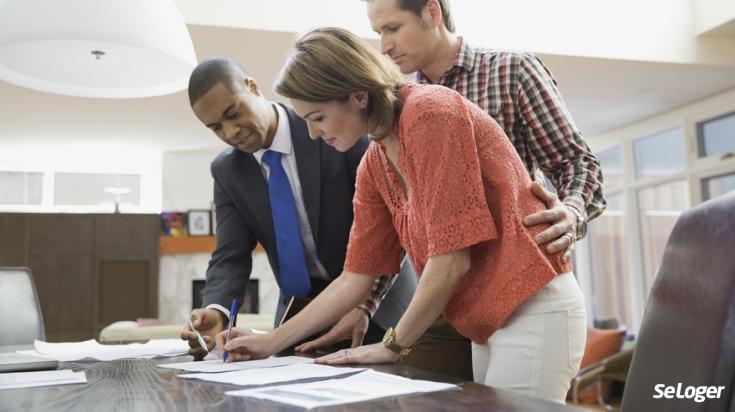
138	385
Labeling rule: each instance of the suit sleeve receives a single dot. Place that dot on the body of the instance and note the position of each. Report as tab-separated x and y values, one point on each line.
355	155
231	264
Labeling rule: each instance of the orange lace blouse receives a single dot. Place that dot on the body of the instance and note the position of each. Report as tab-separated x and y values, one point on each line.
467	187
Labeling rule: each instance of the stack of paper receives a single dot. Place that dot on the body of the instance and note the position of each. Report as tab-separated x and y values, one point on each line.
210	366
364	386
42	378
265	376
91	350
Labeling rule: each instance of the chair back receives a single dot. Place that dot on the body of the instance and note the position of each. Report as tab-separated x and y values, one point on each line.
21	321
687	338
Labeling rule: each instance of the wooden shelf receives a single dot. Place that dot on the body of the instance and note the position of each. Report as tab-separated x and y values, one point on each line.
190	244
187	244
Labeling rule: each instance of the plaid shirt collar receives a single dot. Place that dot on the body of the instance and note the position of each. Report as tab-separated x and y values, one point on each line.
465	59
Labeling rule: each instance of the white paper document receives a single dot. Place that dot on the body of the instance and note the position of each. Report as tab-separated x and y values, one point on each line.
210	366
91	350
364	386
40	378
265	376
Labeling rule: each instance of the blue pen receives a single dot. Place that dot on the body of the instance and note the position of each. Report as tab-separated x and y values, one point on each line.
230	324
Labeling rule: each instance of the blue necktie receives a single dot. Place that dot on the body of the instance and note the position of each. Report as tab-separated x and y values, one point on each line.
294	274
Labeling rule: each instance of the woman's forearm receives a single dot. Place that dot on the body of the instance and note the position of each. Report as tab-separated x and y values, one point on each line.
435	289
341	296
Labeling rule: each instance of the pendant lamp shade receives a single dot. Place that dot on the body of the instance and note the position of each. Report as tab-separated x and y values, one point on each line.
95	48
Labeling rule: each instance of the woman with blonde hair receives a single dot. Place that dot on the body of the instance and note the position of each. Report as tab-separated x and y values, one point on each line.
442	182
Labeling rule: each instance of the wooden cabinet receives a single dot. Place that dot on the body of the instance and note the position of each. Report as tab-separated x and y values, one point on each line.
90	269
13	240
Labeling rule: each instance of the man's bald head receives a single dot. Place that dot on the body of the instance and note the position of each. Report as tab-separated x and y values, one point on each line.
212	71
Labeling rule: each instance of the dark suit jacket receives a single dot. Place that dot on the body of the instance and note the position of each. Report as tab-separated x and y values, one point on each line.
244	214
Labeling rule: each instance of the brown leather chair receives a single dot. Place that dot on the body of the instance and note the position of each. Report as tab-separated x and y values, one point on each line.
603	367
688	331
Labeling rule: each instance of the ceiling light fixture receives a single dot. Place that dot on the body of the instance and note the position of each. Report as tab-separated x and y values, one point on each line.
95	48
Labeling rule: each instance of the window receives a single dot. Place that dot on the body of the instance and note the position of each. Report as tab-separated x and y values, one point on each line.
609	254
659	155
84	177
658	208
21	188
716	137
650	180
88	189
717	186
611	162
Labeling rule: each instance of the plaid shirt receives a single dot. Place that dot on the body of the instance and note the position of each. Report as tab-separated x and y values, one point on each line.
380	289
520	93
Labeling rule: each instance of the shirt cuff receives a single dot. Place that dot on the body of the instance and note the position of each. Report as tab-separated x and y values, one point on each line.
381	287
367	310
577	202
220	308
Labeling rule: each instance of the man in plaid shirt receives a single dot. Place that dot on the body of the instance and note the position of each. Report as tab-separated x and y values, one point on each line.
519	92
516	89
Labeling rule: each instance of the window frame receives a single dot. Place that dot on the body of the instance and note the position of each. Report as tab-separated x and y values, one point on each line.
24	205
696	171
699	135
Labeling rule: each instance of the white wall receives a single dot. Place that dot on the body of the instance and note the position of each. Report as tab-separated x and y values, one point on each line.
186	181
711	14
651	30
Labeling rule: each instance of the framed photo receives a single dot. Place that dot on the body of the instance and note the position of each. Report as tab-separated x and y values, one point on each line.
200	223
173	224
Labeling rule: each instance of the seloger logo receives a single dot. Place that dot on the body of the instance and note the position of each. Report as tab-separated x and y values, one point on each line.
698	393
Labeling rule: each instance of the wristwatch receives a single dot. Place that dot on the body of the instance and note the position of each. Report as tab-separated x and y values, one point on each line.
389	340
581	222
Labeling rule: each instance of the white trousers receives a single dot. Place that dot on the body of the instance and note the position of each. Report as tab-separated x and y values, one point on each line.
538	350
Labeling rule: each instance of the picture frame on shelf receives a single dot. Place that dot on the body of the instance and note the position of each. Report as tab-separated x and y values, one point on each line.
173	224
199	222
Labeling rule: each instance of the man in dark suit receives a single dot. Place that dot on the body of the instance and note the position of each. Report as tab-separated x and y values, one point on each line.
291	194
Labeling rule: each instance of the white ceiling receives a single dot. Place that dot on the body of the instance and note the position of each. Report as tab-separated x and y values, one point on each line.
601	94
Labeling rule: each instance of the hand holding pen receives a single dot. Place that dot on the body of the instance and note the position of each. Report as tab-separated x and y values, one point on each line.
230	324
200	330
238	344
200	339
